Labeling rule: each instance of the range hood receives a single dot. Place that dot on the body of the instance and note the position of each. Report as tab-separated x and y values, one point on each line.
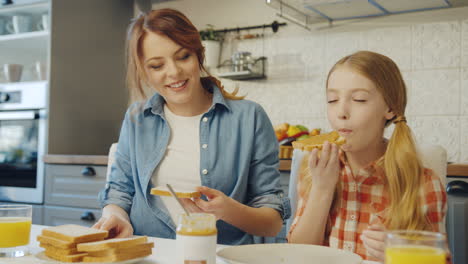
306	12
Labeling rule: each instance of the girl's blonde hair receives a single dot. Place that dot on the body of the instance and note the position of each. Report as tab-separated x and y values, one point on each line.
402	166
176	26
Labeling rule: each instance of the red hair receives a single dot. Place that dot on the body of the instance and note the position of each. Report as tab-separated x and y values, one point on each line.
174	25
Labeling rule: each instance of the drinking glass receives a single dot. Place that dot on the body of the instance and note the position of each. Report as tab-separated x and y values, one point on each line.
415	247
15	228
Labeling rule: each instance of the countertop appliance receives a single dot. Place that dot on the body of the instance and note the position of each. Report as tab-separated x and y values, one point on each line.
22	141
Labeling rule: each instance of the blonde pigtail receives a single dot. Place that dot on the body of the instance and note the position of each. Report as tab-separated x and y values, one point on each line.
404	172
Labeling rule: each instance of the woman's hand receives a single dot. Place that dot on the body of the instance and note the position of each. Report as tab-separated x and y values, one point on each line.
218	203
374	241
115	220
325	171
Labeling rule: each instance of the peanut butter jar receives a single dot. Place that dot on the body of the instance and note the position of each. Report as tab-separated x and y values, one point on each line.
196	239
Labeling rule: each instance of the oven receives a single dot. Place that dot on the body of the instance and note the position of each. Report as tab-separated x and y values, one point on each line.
22	141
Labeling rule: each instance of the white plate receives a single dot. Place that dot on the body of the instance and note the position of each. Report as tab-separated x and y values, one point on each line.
43	257
286	253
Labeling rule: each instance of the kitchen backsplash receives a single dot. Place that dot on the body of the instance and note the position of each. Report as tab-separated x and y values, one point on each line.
433	59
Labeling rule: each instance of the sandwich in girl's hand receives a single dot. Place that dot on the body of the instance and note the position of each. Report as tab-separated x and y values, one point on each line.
318	140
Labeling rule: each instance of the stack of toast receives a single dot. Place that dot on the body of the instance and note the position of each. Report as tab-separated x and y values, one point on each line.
74	243
117	249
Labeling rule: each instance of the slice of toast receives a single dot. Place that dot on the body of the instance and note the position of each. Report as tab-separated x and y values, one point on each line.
75	233
163	191
115	251
317	141
111	243
56	242
65	258
61	251
119	257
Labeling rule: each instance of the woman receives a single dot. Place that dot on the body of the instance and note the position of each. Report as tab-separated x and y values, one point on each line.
190	133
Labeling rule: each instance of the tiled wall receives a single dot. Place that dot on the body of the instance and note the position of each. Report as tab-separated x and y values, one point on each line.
433	58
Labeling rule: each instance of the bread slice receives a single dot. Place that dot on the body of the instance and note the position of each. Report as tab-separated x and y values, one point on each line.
56	242
119	257
317	141
75	233
163	191
61	251
116	251
111	243
65	258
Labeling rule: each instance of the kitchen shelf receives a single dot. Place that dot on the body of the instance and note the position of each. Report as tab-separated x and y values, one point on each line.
24	36
24	42
31	8
242	75
246	74
23	83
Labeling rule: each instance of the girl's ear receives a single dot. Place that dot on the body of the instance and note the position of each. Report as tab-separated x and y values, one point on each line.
389	115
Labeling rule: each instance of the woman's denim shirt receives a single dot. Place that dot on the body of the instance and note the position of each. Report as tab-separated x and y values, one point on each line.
241	160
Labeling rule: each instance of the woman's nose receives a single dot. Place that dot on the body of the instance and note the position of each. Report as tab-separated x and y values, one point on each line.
173	69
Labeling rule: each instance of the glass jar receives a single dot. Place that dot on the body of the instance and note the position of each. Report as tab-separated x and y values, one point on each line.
241	61
196	239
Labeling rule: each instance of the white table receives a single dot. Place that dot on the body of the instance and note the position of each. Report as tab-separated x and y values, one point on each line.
163	251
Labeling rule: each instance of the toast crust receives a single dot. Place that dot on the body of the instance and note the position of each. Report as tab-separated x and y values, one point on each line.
75	233
116	251
57	250
65	258
111	243
56	242
119	257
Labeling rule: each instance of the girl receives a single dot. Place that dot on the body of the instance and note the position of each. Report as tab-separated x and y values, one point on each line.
349	197
190	133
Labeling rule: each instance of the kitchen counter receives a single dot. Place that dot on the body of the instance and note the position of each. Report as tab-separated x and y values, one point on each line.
164	252
76	159
453	169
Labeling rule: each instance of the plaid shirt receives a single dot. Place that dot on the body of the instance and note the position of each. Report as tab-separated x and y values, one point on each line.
364	201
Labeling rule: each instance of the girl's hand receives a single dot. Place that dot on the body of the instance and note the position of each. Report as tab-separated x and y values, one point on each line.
374	241
218	203
325	170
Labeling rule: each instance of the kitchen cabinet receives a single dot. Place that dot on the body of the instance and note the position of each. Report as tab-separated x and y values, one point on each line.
457	217
37	214
82	51
72	187
60	215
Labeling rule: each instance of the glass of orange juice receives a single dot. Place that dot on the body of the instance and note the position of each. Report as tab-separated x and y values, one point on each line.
15	227
415	247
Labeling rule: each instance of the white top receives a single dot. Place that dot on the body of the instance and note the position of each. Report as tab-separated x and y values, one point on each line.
180	166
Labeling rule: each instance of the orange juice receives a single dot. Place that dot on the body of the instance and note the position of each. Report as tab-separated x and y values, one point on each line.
414	255
14	231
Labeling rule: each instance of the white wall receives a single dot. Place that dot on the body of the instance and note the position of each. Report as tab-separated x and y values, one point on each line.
433	57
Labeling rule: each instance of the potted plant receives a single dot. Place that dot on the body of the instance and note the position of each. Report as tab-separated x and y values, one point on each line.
211	40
